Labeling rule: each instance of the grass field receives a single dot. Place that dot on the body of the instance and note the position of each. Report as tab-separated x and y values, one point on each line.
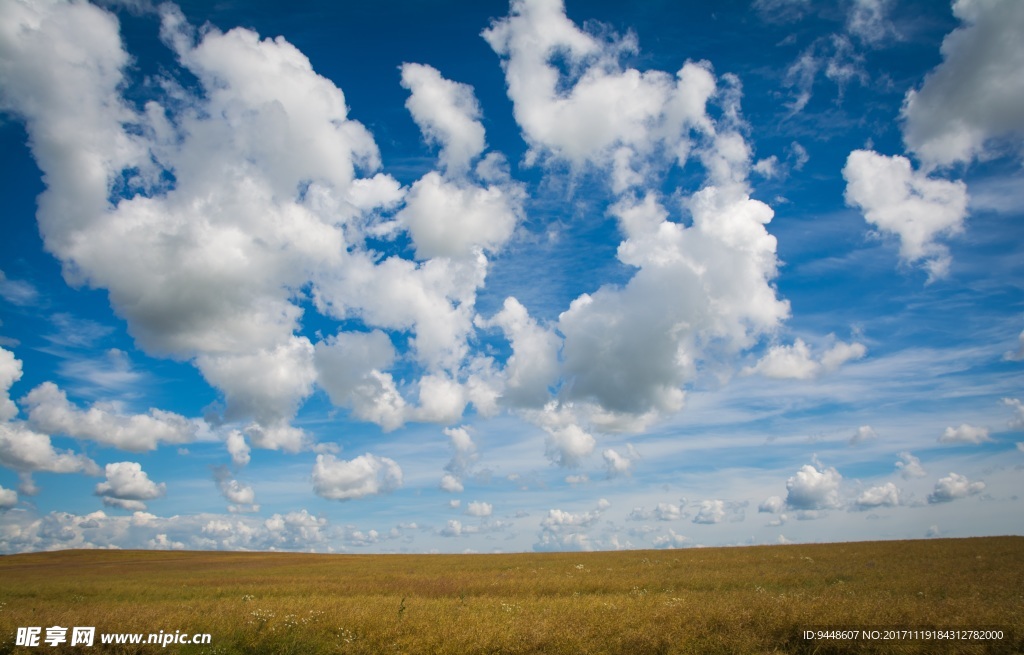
714	600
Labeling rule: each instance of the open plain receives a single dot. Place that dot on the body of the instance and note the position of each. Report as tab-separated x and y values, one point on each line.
708	600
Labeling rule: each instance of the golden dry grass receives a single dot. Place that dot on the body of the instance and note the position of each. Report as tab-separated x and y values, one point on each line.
715	600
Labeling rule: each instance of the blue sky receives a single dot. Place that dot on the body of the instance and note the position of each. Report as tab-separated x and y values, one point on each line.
501	277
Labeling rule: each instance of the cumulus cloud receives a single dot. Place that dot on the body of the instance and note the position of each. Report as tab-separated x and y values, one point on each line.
27	451
813	489
970	101
561	530
970	434
569	446
350	367
908	204
127	486
447	114
455	219
954	486
365	475
10	372
238	448
863	433
451	484
910	466
710	512
772	505
796	361
479	509
886	495
532	368
50	411
241	496
617	464
8	498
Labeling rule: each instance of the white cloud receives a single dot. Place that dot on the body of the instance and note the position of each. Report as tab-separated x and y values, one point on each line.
1016	355
533	366
456	219
711	511
561	531
350	368
796	361
451	484
127	485
772	505
8	498
954	486
479	509
868	20
569	446
1018	407
25	450
50	411
972	99
811	489
965	433
238	448
241	496
907	203
863	433
886	495
10	372
365	475
617	464
17	292
910	466
447	113
464	452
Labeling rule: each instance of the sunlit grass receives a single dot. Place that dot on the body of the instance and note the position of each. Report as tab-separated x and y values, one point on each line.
716	600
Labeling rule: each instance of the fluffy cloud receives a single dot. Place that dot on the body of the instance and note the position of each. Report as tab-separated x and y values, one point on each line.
972	98
772	505
965	434
25	450
10	372
901	201
533	366
50	411
569	445
616	464
8	498
863	433
447	113
454	219
350	368
561	530
796	361
451	484
365	475
910	466
886	495
241	496
127	485
479	509
811	489
954	486
238	448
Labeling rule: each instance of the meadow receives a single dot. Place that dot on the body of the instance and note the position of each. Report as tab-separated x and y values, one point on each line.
757	599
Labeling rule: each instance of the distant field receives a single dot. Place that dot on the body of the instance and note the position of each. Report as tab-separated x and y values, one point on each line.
715	600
